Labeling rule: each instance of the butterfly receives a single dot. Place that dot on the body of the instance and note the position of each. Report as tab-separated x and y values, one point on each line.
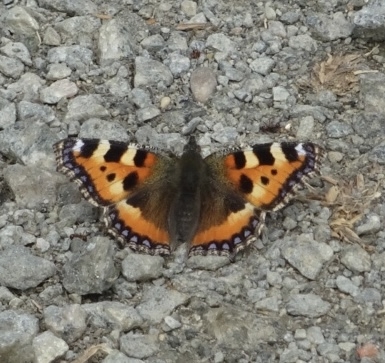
153	200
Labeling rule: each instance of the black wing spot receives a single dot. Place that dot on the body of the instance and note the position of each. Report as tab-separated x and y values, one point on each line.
103	168
246	184
130	181
239	159
140	158
87	150
115	153
265	180
290	152
111	177
274	172
264	155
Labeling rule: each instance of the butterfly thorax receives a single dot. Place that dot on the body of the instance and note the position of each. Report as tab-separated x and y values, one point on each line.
185	209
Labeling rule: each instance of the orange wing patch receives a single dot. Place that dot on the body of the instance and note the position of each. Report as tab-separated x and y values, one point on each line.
106	171
130	227
268	174
238	231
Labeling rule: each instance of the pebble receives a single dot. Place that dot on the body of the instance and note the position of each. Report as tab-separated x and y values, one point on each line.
306	255
112	315
19	21
92	269
329	28
158	302
58	71
355	259
310	305
11	67
48	347
369	22
17	50
77	112
142	267
346	285
203	84
149	72
305	128
68	322
16	333
7	113
58	90
189	8
139	345
338	129
262	65
371	224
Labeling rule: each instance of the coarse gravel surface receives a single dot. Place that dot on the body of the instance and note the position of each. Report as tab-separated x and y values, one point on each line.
311	289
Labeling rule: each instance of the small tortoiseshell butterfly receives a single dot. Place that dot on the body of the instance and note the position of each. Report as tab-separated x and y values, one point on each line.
153	201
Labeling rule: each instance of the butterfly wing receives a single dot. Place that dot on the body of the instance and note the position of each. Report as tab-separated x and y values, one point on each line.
249	182
268	175
119	178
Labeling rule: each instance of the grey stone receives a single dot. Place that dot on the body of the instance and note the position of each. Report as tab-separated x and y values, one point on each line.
147	113
51	37
328	28
177	42
309	305
372	92
31	143
138	267
68	322
33	112
51	293
5	295
225	135
58	90
178	64
153	43
317	112
70	7
150	72
254	84
188	7
210	263
355	259
18	51
314	335
48	347
141	97
20	269
329	350
58	71
377	154
346	285
289	355
32	187
28	87
280	94
220	42
77	28
369	22
158	302
76	57
371	224
337	129
171	323
71	214
19	21
16	333
84	107
290	17
369	295
112	315
11	67
118	357
303	41
262	65
102	129
114	42
203	84
229	326
92	269
139	345
7	113
270	13
306	255
305	128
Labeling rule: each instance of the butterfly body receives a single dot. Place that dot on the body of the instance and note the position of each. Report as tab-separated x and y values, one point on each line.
153	201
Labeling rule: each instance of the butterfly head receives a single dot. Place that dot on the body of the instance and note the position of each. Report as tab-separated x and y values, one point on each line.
192	146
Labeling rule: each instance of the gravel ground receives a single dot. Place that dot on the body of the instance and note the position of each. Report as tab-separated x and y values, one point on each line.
312	287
